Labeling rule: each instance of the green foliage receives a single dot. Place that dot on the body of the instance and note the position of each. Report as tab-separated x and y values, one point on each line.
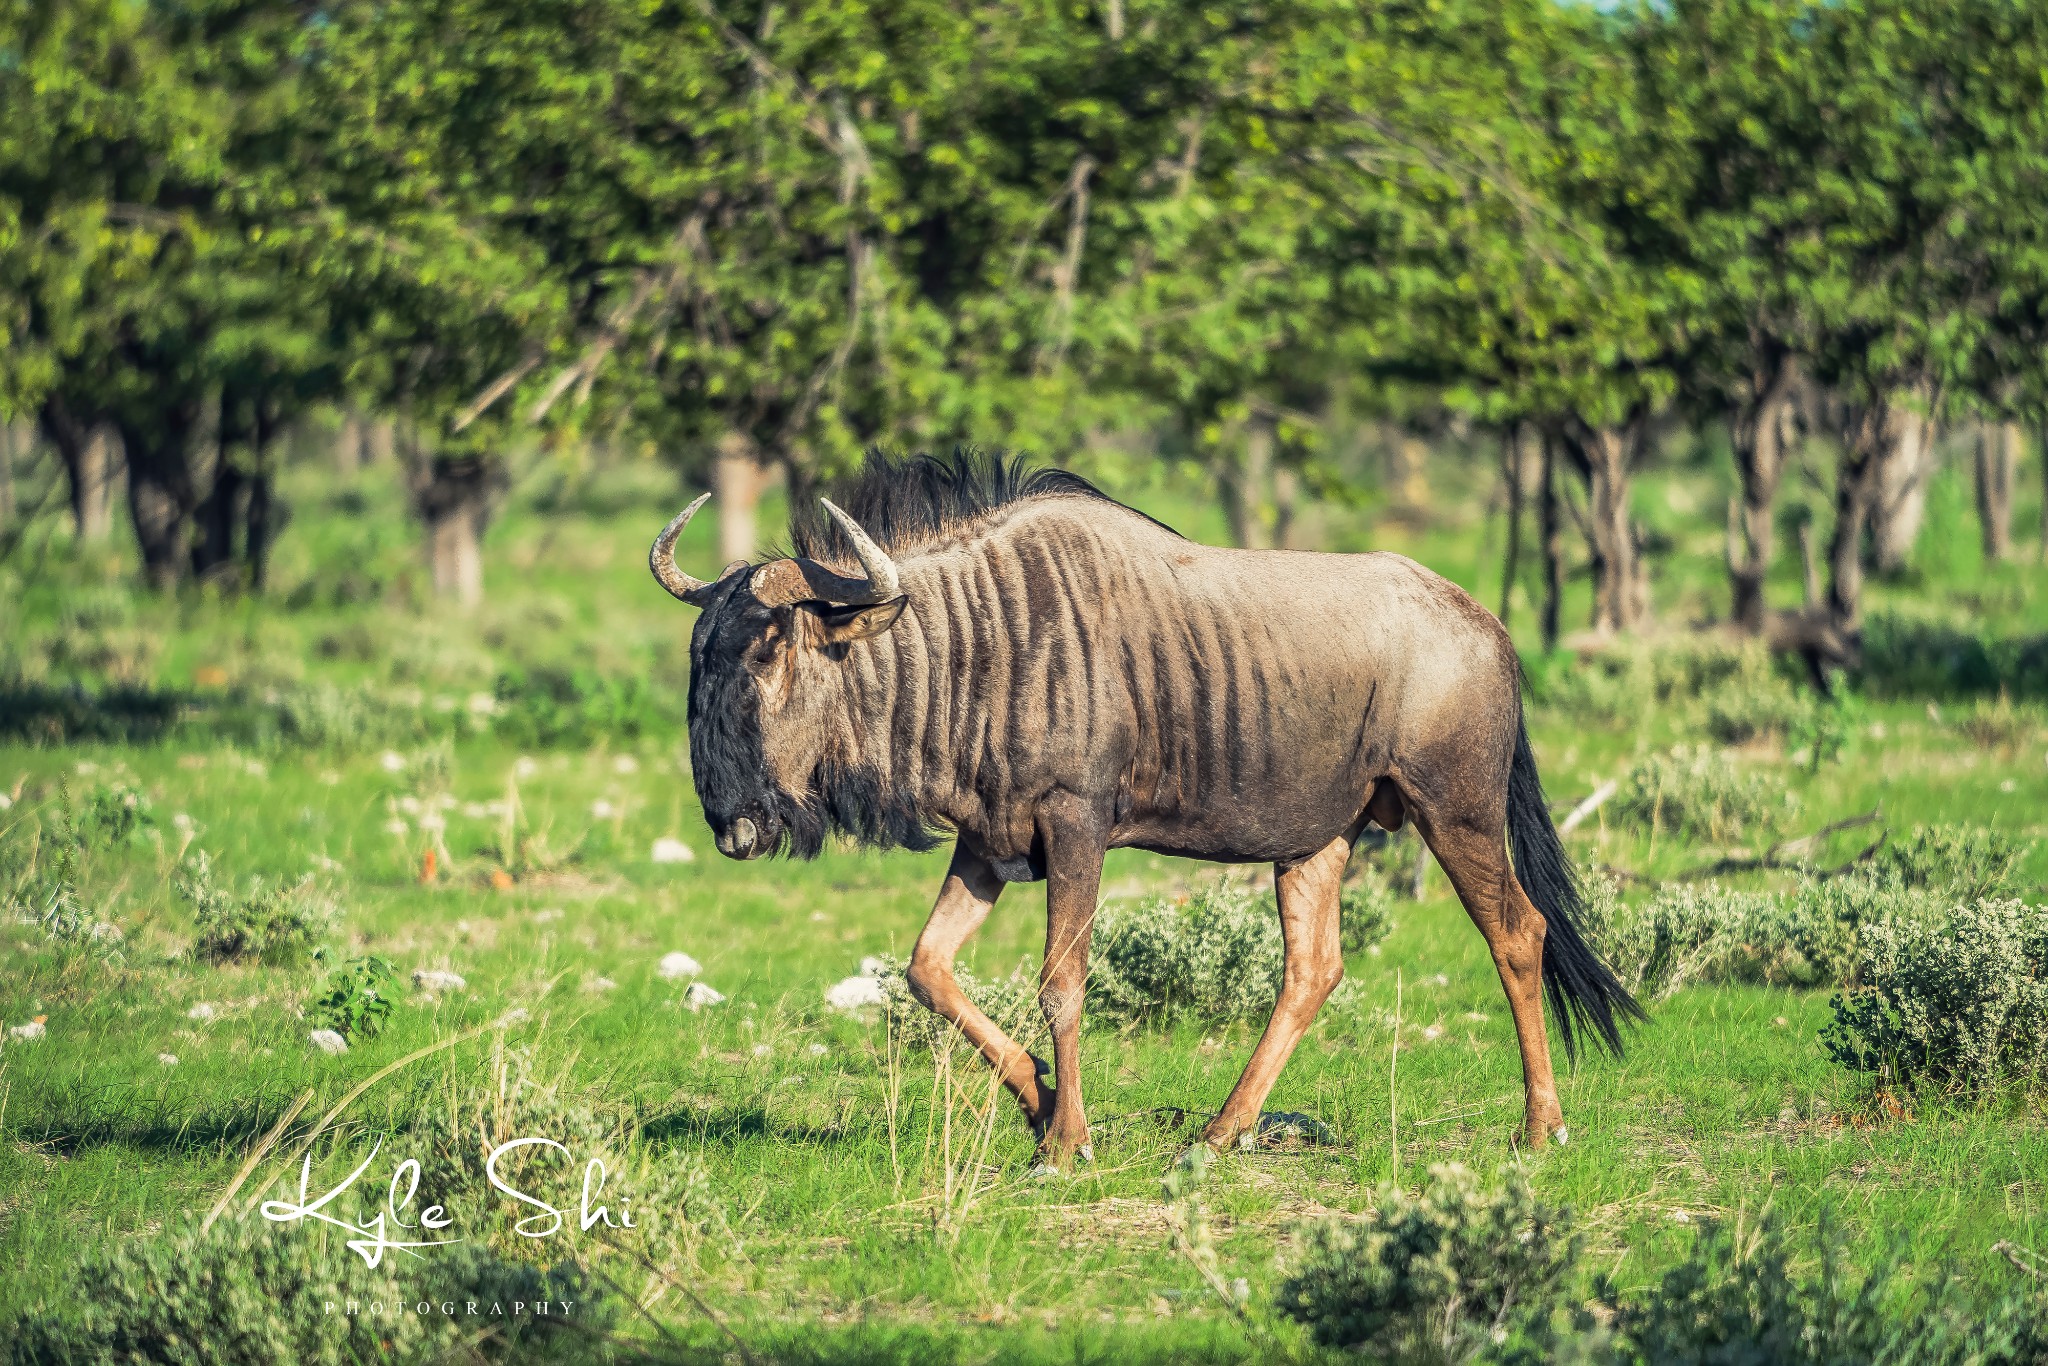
1963	861
259	1295
1444	1276
1215	956
540	707
1702	793
268	923
1686	935
357	1000
1745	1293
1919	654
1367	914
1958	1001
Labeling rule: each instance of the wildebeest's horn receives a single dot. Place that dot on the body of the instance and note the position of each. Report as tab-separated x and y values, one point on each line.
881	569
662	558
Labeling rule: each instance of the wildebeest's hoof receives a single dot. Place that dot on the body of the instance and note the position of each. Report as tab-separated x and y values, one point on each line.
1287	1129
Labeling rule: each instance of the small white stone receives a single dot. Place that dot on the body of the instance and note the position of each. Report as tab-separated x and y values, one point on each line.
525	766
202	1012
168	1059
625	763
516	1015
181	821
327	1041
1433	1032
433	822
27	1032
435	979
762	1050
1679	1216
678	964
1441	980
670	850
2008	786
392	760
5	801
818	1050
700	995
395	826
602	810
855	993
600	984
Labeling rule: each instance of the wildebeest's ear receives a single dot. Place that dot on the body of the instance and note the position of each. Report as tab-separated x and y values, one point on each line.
843	625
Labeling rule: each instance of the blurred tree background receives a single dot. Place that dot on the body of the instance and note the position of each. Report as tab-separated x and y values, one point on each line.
1283	256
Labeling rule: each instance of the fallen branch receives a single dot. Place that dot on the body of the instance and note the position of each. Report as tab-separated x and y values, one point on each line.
1792	854
2027	1260
1594	802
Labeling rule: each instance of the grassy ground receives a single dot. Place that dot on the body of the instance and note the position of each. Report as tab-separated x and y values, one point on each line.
849	1183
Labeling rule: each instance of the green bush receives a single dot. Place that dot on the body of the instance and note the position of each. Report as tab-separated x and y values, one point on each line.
1688	934
357	1000
1740	1297
1444	1276
1958	1001
256	1295
1965	861
1701	793
1216	956
1924	655
273	924
580	707
1366	911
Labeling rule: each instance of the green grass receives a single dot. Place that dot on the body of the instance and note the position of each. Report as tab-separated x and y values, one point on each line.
849	1220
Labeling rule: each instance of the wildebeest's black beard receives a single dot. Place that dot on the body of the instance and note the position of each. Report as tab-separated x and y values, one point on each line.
853	802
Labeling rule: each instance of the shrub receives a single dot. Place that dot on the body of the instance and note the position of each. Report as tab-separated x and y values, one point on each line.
1965	861
669	1194
262	1296
1366	911
1216	956
1739	1296
273	924
1701	793
1958	1000
1687	934
1925	655
580	707
1012	1002
1440	1276
357	999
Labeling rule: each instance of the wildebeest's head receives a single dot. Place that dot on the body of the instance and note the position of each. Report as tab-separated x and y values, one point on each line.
762	691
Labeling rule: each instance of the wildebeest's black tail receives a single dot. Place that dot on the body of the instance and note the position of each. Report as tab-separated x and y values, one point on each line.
1583	994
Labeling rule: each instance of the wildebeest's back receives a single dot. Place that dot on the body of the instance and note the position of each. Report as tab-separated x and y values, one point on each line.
1238	704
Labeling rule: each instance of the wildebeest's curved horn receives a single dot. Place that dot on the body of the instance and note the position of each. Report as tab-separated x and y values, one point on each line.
662	558
783	582
881	569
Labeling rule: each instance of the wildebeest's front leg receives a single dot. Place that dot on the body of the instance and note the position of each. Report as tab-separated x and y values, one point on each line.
1074	846
964	902
1308	893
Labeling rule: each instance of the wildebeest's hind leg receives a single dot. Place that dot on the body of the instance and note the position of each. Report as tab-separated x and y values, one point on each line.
1472	848
1308	893
964	902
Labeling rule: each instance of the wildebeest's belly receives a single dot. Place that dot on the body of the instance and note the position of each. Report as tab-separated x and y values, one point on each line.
1252	785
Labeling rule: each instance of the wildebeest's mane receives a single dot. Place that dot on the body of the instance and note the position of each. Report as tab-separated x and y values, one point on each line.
908	501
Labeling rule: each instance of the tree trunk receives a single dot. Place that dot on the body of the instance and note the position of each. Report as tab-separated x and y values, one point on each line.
1286	505
9	441
1604	455
1241	480
380	440
454	496
1762	435
158	492
1998	467
1869	431
88	451
1552	529
736	481
348	442
1513	465
1900	503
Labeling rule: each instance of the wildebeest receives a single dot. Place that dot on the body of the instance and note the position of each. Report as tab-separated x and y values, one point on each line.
1012	656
